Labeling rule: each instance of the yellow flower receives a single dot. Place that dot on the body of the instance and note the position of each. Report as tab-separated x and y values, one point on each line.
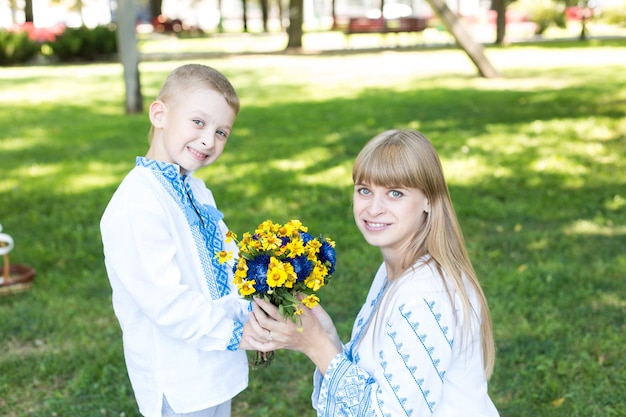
311	301
276	274
270	242
247	237
241	272
230	236
314	282
267	226
247	287
297	224
238	280
314	245
286	231
294	248
223	256
292	277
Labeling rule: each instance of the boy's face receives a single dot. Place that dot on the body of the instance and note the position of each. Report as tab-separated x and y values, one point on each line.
192	130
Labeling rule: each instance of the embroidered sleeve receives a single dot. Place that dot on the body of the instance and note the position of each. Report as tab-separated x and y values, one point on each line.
235	340
345	390
413	351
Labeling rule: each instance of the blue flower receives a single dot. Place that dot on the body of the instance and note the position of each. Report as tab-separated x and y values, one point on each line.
328	256
302	267
257	271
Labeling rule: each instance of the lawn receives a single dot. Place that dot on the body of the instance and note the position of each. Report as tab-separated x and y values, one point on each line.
534	160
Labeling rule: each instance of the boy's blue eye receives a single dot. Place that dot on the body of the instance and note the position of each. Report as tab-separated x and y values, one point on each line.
395	193
198	122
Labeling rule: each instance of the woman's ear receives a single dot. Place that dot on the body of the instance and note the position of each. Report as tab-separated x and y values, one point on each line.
427	207
157	113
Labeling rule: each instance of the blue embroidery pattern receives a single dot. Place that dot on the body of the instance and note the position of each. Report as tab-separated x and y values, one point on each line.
422	338
396	388
235	340
203	221
412	370
363	325
437	316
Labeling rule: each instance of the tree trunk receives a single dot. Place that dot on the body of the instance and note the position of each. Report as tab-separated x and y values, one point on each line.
500	7
244	4
473	49
156	8
281	12
296	19
265	13
220	24
129	55
585	15
28	11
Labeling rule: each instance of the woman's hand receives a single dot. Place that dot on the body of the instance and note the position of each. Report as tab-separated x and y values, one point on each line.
255	337
313	333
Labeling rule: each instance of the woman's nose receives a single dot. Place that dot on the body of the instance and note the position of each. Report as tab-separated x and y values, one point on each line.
376	206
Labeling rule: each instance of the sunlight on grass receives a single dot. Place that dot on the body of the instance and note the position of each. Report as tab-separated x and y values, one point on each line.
472	170
588	227
560	164
617	202
69	84
610	300
341	176
94	177
18	144
41	170
292	164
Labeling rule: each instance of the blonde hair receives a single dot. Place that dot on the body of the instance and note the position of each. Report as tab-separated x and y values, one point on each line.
194	76
407	158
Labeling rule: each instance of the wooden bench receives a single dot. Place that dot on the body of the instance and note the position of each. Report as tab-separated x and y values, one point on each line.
381	25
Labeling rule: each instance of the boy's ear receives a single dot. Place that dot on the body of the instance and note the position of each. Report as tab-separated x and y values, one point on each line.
157	113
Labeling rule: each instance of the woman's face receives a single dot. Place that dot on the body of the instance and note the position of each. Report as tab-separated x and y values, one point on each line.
389	218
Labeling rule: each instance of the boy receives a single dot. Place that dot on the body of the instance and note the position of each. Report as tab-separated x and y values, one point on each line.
182	321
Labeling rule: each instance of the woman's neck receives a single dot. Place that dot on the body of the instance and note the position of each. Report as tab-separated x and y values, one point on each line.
394	264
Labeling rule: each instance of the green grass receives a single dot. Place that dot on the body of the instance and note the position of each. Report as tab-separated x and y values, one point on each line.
534	160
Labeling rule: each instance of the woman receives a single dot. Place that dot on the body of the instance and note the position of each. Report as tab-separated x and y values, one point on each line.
422	343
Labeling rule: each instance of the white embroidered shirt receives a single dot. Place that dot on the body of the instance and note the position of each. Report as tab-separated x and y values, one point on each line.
180	315
409	359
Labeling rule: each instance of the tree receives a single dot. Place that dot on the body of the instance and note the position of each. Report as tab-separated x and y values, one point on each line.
28	11
244	4
156	8
500	8
585	13
129	55
296	18
265	12
463	38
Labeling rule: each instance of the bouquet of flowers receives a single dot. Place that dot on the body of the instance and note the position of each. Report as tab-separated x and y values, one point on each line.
284	265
